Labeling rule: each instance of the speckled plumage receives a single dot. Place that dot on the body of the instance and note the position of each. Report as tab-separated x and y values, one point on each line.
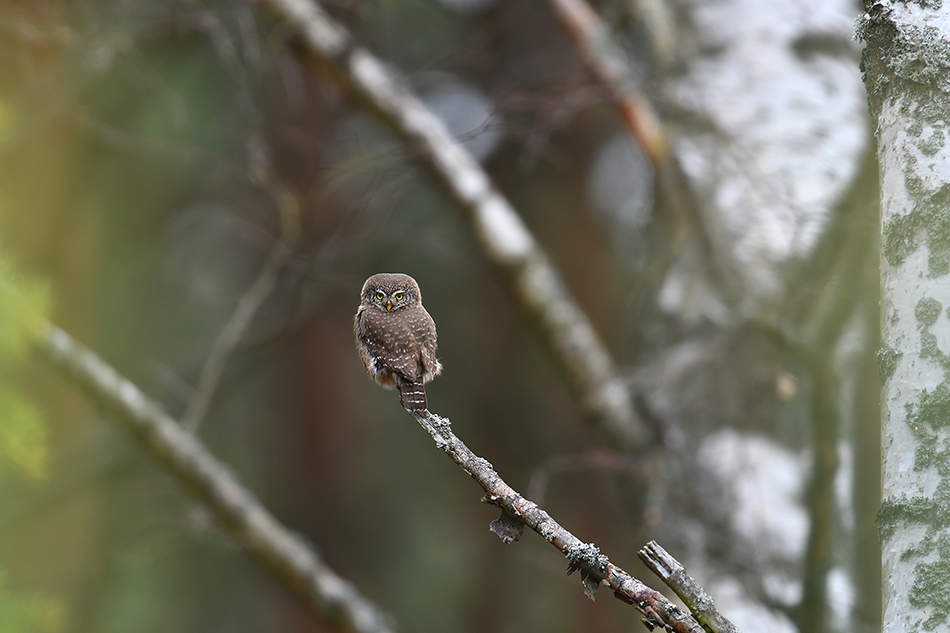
397	343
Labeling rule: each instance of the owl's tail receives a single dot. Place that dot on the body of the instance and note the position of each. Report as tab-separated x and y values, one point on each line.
413	395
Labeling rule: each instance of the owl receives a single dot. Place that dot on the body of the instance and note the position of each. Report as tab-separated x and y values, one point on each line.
396	337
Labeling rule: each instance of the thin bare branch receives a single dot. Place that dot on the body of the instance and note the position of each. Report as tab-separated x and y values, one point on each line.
813	609
505	239
595	568
812	612
608	63
233	331
693	596
229	338
292	561
596	459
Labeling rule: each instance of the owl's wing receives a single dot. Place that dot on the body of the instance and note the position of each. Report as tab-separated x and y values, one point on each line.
423	330
391	343
422	327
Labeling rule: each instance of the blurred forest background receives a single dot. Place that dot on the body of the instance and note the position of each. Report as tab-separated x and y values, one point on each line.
161	162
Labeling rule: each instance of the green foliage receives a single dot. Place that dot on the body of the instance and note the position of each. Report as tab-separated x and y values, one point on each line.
29	613
23	445
22	312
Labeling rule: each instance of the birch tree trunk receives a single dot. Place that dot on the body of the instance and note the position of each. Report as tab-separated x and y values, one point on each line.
907	74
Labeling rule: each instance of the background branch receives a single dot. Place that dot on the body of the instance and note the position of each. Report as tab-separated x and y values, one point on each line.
293	562
229	338
812	611
608	63
236	327
596	459
505	239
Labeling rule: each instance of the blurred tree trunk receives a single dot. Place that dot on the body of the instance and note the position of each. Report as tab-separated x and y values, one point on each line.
907	73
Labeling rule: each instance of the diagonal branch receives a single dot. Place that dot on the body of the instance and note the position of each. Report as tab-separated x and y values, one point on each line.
517	511
234	330
295	563
608	63
606	60
503	236
229	338
813	608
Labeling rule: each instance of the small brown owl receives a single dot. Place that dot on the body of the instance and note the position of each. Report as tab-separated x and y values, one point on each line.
396	337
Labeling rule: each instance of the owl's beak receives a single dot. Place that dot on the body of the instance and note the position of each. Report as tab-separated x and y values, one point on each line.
389	306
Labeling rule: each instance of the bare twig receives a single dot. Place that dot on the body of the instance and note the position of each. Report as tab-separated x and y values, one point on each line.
595	568
233	331
693	596
229	337
597	459
607	61
813	609
294	563
811	613
503	236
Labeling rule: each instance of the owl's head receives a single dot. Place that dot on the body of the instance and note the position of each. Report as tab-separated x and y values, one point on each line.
391	291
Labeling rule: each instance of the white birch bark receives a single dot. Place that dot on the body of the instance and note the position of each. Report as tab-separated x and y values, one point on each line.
907	74
774	136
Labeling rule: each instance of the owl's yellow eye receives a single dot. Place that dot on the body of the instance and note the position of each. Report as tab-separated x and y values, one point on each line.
399	296
380	296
